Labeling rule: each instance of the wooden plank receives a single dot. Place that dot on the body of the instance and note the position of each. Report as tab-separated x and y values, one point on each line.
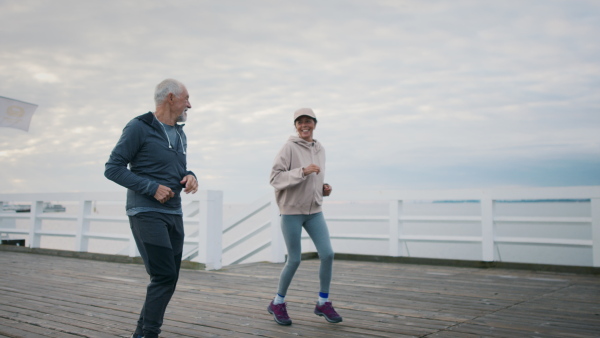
15	328
54	296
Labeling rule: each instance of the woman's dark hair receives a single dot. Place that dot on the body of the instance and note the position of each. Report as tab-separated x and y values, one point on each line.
314	119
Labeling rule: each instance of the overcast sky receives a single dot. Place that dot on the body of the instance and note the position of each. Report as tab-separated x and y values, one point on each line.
409	94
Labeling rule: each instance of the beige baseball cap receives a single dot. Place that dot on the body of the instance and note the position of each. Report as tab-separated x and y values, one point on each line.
304	112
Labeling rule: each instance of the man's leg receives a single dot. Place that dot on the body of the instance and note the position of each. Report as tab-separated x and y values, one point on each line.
152	232
176	237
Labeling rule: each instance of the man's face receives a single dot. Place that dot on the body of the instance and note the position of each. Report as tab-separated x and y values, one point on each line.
181	104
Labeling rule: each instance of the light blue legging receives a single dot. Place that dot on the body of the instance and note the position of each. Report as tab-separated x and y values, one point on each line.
291	226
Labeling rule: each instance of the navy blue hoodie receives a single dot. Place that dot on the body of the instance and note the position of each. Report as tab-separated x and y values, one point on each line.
145	148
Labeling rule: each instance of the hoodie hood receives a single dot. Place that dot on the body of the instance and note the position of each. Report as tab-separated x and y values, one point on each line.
304	143
152	121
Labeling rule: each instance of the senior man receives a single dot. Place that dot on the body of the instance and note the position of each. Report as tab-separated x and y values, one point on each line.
153	145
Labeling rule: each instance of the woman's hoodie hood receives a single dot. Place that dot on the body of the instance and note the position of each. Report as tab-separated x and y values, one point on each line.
304	143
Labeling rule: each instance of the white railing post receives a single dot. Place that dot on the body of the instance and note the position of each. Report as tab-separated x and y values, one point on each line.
395	248
213	235
83	226
202	227
277	243
595	206
487	228
37	207
210	231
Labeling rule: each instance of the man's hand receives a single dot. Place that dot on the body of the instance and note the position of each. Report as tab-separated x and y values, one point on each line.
163	193
190	183
327	189
313	168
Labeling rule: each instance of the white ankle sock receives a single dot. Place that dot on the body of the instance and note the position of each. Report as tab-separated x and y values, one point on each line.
278	299
323	298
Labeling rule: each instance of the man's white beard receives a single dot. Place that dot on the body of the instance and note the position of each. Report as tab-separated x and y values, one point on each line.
182	117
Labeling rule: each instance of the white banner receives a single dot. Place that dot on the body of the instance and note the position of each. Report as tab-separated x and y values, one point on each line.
16	114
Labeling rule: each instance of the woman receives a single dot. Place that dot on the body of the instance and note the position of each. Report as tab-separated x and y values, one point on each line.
298	178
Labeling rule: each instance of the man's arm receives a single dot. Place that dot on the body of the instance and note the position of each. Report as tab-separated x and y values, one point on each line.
125	150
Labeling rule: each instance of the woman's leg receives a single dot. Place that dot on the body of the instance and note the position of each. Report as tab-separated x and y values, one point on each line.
318	232
291	227
316	227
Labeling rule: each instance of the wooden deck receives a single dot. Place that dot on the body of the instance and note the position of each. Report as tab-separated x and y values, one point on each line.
47	296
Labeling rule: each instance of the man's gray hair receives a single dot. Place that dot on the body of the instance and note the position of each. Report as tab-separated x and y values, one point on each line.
165	88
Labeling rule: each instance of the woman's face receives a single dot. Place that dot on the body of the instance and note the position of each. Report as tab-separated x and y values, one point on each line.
305	126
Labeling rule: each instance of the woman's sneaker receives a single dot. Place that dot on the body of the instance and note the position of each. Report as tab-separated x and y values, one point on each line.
326	310
279	313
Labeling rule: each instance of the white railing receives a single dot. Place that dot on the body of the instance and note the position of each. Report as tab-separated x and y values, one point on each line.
200	210
252	232
489	235
528	225
487	231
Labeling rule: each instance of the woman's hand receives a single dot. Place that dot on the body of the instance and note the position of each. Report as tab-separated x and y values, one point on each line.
313	168
327	189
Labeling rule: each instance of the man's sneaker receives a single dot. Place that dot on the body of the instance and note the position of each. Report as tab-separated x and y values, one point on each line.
326	310
279	313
